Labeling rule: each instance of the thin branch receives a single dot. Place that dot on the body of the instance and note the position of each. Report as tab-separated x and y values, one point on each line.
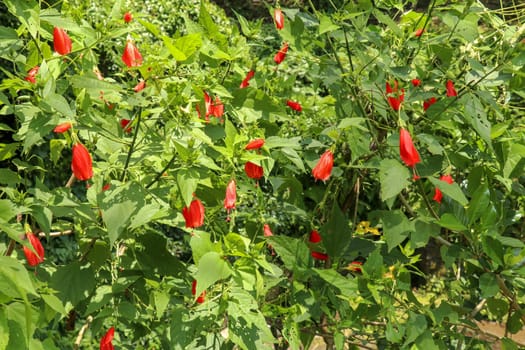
130	152
70	182
55	234
83	330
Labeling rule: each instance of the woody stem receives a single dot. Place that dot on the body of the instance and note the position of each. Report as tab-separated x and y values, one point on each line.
130	152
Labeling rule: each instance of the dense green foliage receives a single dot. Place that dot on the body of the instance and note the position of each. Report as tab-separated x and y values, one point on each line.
402	270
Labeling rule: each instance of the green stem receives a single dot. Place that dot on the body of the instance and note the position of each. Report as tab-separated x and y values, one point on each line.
130	152
159	175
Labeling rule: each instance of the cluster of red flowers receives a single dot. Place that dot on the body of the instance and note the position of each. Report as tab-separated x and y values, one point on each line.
396	96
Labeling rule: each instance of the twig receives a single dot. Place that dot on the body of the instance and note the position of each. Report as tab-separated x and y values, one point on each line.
55	234
512	298
478	307
130	152
82	331
70	182
90	246
10	247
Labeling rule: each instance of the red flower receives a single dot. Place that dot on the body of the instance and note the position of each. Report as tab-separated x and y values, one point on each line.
81	163
254	144
201	297
253	170
279	18
140	86
280	56
319	256
131	56
407	150
451	92
31	75
267	231
416	82
124	125
61	128
315	237
296	106
355	266
106	341
128	17
218	108
231	195
438	195
194	214
106	187
32	258
419	32
428	103
245	82
323	169
61	41
397	98
212	108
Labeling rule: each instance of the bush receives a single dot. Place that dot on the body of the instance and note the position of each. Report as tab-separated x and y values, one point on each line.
420	112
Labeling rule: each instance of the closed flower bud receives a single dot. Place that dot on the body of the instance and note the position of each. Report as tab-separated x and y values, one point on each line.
253	170
428	103
231	195
323	169
194	214
128	17
61	41
63	127
32	258
81	163
278	18
267	231
407	151
131	56
315	237
140	86
281	55
245	82
107	339
254	144
296	106
451	91
395	96
319	256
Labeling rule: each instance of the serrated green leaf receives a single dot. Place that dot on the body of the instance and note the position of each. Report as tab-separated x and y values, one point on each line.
326	25
212	267
393	177
187	180
449	221
396	227
117	218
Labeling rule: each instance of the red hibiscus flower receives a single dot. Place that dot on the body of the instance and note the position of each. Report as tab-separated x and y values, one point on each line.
107	339
63	127
428	103
254	144
438	195
281	55
194	214
81	163
395	98
32	258
278	18
296	106
323	169
451	92
131	56
31	75
407	151
253	170
231	195
61	41
245	82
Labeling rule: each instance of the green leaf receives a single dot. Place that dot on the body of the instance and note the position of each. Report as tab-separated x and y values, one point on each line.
336	233
477	117
326	25
416	325
54	303
515	155
201	244
59	104
211	268
347	286
451	190
117	218
74	283
293	252
8	210
187	180
449	221
4	329
488	284
396	227
381	17
373	267
161	302
393	177
479	204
